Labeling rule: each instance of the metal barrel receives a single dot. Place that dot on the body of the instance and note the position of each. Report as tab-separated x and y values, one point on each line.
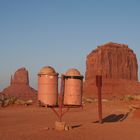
48	86
73	87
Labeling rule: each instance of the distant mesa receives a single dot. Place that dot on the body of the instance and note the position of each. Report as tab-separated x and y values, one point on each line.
117	64
19	86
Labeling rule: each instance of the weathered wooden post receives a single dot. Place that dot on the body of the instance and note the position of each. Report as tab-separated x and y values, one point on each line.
99	87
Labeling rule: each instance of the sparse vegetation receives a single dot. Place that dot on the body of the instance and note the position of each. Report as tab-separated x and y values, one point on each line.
127	98
9	100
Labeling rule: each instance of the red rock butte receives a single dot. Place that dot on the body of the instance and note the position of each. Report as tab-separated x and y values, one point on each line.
118	66
19	86
20	77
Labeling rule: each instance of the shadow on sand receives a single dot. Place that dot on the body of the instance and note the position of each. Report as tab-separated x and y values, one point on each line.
76	126
114	118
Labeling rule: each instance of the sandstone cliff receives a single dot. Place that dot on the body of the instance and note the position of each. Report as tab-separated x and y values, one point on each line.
19	86
20	77
118	66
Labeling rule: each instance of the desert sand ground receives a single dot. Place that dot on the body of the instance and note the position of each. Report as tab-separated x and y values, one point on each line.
37	123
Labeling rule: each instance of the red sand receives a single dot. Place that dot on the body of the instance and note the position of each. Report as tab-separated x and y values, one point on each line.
32	123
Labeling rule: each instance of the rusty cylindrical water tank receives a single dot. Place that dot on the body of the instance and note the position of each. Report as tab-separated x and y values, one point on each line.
73	87
48	86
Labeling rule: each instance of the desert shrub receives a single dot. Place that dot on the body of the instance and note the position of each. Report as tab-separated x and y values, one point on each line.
9	100
127	98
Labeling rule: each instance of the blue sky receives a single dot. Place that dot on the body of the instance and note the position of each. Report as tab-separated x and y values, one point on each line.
60	33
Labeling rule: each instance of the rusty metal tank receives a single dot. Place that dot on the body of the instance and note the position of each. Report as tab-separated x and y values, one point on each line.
48	86
73	87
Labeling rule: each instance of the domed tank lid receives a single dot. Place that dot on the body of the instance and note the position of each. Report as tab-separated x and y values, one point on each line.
73	72
47	70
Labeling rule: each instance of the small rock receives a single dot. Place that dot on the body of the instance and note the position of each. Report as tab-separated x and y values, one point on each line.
105	100
20	102
46	128
29	102
67	128
60	126
87	100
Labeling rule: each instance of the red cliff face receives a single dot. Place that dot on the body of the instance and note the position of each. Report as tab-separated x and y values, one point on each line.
20	77
20	87
116	63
